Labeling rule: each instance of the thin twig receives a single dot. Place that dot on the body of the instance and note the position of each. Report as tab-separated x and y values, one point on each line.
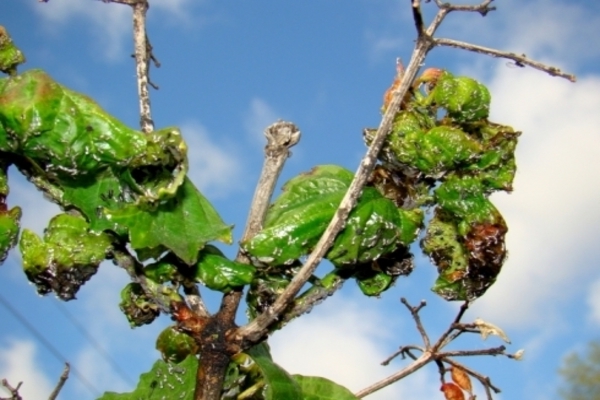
61	382
281	136
14	391
494	351
414	311
141	61
520	60
424	359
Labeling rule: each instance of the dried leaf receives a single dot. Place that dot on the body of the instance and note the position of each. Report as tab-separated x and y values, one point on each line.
461	378
487	329
452	392
519	354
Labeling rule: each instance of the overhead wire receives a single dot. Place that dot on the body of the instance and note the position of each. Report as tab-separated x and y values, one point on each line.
53	350
97	346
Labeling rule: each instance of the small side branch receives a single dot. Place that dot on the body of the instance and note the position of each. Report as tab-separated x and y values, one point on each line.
61	382
14	391
143	55
520	60
434	353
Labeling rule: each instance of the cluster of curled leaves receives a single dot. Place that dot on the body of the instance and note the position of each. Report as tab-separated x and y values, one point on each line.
443	154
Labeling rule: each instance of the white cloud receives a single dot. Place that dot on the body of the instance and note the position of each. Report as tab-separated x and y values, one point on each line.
344	340
37	211
18	363
96	371
111	24
259	116
213	167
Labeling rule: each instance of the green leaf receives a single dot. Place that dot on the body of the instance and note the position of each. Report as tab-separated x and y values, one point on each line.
217	272
137	306
278	383
466	199
66	136
66	258
318	388
374	284
183	224
175	346
464	98
9	229
298	218
164	381
467	264
10	55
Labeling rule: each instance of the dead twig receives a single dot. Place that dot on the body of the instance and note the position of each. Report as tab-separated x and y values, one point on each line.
520	60
14	391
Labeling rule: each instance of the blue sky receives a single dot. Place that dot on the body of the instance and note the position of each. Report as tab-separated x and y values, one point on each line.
228	70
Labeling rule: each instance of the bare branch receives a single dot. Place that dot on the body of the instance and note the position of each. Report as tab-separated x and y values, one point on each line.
409	369
414	311
520	60
483	8
61	382
281	136
143	55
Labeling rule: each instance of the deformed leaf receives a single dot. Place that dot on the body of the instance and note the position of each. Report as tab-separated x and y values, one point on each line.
175	346
67	256
486	329
298	218
467	265
137	306
374	284
217	272
318	388
9	228
163	381
10	55
183	224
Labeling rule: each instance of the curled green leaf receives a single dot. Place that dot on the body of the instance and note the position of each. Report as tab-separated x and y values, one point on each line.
67	256
66	136
467	264
298	218
9	229
137	306
175	346
464	98
10	55
217	272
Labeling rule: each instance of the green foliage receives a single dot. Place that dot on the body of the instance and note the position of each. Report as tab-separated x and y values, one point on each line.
298	218
163	381
317	388
581	374
175	346
217	272
67	256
